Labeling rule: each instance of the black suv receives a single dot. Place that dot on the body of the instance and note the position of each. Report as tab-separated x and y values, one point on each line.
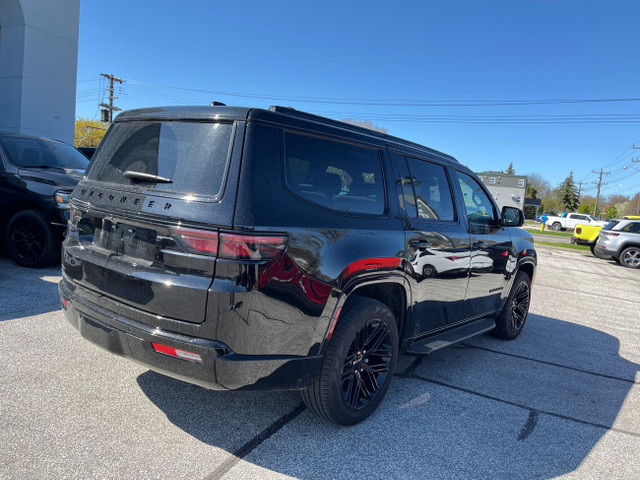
37	177
240	248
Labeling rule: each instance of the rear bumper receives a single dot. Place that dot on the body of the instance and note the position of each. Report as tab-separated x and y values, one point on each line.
580	241
219	369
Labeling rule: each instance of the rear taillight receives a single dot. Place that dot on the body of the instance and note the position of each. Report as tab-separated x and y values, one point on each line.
611	234
251	247
232	245
200	241
578	230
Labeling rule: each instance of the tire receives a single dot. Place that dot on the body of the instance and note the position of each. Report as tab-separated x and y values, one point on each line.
429	271
29	239
630	257
556	226
353	381
511	319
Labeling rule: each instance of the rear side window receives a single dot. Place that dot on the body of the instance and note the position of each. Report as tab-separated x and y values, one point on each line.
191	157
335	175
631	227
431	199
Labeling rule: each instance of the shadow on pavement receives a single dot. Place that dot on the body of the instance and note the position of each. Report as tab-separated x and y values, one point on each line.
27	291
531	408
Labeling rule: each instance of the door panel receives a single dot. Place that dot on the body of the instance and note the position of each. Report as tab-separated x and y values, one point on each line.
437	248
491	248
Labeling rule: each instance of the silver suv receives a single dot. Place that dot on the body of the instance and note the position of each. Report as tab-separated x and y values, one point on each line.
622	242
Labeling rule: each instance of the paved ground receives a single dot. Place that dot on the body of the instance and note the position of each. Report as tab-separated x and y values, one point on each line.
561	400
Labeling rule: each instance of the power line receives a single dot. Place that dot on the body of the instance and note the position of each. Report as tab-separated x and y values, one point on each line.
389	102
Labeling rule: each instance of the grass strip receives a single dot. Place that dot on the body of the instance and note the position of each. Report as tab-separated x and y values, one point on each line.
571	246
546	232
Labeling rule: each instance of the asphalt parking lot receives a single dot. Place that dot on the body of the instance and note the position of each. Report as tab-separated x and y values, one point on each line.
561	400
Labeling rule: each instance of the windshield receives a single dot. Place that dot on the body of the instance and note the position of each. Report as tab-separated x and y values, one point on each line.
173	156
40	153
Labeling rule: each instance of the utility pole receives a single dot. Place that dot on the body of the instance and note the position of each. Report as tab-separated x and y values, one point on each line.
595	208
636	160
579	190
110	108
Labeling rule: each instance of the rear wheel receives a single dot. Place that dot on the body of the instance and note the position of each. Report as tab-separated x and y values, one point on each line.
29	239
358	365
556	226
630	257
511	319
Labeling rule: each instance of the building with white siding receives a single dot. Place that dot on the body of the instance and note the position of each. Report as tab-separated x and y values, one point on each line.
38	67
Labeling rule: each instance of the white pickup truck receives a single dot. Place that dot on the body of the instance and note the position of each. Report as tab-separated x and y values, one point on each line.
571	220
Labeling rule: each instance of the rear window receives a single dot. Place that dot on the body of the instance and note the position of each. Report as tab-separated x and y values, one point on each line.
610	225
188	157
335	175
40	153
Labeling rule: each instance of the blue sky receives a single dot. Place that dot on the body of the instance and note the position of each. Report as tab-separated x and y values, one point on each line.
406	66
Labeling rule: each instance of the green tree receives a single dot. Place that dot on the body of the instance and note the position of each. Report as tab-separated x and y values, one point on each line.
530	210
510	170
611	212
568	194
88	132
585	208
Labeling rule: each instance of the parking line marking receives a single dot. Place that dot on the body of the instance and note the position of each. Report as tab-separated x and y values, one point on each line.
524	407
255	442
604	375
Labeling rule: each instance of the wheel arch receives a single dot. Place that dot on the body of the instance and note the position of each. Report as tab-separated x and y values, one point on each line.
391	290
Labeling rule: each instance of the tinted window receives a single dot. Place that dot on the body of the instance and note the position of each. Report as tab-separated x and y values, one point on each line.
479	207
431	197
35	152
192	155
335	175
610	225
632	227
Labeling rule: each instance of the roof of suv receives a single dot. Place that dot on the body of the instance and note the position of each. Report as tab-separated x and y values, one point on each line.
274	114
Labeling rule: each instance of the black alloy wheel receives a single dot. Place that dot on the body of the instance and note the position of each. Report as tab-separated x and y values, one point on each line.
520	306
29	239
358	364
366	366
511	319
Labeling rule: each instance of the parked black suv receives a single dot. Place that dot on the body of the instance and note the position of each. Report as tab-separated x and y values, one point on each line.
240	248
37	177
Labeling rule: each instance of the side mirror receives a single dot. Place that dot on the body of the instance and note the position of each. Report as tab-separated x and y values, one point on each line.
512	217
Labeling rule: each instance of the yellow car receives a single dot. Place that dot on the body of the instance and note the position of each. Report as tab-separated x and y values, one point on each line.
588	234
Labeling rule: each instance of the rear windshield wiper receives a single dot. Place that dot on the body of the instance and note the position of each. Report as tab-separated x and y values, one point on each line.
146	177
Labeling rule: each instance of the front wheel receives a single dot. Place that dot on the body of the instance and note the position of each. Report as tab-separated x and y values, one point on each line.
510	320
30	240
630	257
358	365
